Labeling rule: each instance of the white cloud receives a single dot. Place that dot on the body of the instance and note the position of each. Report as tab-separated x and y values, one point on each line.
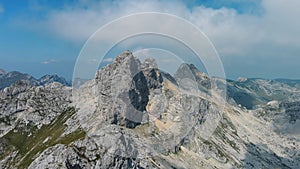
78	22
244	35
273	33
96	61
231	32
93	61
1	9
166	61
106	60
46	62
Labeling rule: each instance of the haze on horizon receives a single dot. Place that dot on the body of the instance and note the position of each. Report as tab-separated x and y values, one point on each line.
258	38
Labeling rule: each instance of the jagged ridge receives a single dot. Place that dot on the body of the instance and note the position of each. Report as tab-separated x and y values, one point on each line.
134	116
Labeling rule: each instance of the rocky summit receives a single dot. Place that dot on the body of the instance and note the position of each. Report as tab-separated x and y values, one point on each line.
133	115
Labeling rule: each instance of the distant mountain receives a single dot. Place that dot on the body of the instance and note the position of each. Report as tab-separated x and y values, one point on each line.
294	83
2	72
53	78
7	79
252	92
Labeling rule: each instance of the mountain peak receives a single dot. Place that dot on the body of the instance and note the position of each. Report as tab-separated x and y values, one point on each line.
53	78
9	78
2	71
132	115
184	71
149	63
123	56
12	77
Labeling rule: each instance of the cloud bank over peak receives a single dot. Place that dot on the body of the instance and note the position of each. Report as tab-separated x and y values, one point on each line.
256	32
232	32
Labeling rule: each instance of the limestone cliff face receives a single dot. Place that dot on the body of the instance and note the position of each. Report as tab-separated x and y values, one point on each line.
26	103
132	115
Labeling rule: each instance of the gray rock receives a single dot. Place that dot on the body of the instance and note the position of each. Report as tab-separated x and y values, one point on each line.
28	103
135	116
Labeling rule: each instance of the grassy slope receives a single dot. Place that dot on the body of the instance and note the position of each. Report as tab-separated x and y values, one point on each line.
30	141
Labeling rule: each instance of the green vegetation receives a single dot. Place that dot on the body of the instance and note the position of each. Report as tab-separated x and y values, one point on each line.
221	129
145	130
29	141
5	120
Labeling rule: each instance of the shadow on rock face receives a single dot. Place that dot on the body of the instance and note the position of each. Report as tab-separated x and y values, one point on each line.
139	94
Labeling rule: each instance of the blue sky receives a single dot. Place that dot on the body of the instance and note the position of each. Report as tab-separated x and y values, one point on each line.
255	38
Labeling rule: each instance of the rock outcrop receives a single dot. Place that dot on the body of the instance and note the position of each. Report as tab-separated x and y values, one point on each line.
132	115
27	103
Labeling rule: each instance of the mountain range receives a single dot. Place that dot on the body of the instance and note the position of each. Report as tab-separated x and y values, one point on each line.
133	115
9	78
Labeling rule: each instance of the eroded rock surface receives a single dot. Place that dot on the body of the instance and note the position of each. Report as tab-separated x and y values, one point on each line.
132	115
